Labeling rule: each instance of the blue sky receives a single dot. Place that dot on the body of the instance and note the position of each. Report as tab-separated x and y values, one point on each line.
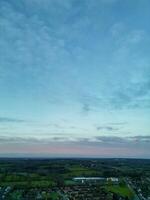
75	76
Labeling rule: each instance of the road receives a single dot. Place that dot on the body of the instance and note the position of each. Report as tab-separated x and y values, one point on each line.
135	195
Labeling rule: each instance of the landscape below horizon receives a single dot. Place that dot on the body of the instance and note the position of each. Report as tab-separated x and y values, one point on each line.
74	179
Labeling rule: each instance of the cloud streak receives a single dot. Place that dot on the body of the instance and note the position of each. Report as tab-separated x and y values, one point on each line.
92	140
107	128
11	120
102	146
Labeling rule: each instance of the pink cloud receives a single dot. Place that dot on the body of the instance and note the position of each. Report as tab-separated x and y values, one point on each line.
72	149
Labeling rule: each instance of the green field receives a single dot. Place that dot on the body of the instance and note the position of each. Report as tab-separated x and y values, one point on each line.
80	171
16	195
33	184
123	191
70	182
54	196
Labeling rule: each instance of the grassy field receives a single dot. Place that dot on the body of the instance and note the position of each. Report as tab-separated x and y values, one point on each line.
32	180
80	171
17	195
123	191
54	196
33	184
70	182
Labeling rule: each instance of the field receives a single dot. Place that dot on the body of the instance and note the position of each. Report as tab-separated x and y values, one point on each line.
80	171
123	191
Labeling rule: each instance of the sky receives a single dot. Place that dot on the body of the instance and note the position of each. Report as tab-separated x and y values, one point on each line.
75	78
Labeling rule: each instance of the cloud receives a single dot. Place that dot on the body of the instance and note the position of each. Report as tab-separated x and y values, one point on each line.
137	146
11	120
117	29
133	94
125	94
106	128
130	58
45	50
98	140
86	108
141	138
127	38
69	59
118	123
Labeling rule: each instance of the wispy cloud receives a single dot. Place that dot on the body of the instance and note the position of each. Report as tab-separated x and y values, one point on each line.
100	147
135	94
107	128
99	140
70	59
86	108
11	120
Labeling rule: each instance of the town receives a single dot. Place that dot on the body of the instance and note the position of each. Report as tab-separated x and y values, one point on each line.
74	179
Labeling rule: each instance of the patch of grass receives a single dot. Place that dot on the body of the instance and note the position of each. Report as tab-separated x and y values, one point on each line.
70	182
54	196
80	171
17	195
43	183
123	191
32	184
12	184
